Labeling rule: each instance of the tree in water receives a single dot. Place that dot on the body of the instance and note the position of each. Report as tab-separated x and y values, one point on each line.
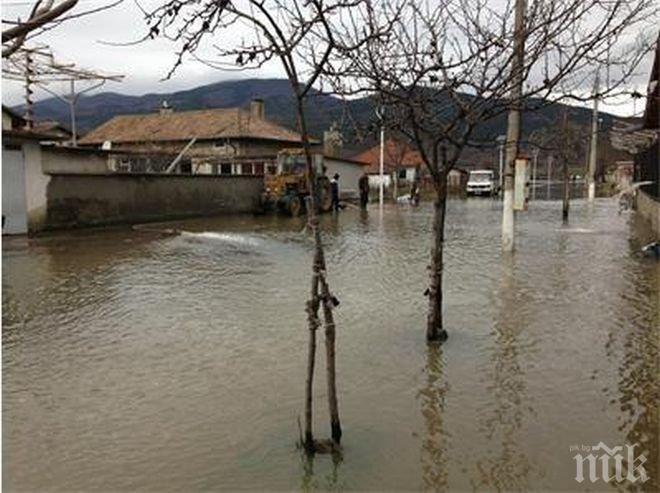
297	34
445	70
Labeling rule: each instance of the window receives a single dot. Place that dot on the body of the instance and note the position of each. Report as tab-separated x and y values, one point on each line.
225	169
258	168
246	168
272	169
185	167
402	174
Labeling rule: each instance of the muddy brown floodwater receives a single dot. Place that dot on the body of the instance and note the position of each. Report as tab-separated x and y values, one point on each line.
133	361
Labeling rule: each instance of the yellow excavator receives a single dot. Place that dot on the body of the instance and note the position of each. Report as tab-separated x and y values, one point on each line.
287	190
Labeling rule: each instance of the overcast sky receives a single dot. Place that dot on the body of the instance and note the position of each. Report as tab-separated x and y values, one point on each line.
84	42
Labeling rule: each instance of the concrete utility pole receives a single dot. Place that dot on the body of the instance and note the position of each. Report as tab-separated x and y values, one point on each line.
536	160
29	117
501	139
593	148
381	175
513	129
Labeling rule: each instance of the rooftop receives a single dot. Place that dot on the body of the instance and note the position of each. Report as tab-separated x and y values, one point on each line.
396	155
224	123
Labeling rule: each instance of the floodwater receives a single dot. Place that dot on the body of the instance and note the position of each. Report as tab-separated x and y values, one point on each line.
136	361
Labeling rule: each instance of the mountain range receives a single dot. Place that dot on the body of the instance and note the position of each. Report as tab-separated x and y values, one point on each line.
322	109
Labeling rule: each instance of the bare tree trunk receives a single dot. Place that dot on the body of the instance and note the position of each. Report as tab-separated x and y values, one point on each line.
329	322
567	192
434	329
313	324
320	293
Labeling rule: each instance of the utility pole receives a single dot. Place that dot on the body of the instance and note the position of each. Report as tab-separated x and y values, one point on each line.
72	109
513	128
549	176
381	191
593	148
564	157
536	160
29	117
501	139
37	67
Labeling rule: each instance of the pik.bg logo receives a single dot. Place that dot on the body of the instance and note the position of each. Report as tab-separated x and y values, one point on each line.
609	464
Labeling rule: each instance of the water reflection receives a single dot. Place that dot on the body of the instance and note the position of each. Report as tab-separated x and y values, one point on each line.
331	481
636	354
176	363
435	442
507	469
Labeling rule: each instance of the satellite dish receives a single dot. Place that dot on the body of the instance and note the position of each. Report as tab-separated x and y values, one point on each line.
107	145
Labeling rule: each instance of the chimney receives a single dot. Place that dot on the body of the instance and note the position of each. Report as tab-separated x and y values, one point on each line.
257	109
332	141
165	108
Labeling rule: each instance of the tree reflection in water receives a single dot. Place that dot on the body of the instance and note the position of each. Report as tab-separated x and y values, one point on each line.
508	467
434	444
329	482
636	354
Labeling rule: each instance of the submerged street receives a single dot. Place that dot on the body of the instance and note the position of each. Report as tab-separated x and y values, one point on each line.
138	361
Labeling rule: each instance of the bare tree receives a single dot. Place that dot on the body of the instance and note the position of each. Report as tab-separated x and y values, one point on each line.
44	15
277	30
446	67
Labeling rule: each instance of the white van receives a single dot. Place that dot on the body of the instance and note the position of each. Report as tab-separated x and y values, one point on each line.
481	182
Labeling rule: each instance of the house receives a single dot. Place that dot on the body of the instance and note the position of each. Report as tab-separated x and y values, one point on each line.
334	159
648	161
228	141
57	130
400	163
23	182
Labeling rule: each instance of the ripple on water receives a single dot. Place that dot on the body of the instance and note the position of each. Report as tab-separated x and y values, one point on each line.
137	361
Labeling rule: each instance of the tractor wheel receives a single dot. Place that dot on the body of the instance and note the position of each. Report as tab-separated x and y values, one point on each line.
325	194
295	206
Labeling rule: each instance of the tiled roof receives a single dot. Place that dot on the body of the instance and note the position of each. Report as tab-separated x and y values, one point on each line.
396	155
184	125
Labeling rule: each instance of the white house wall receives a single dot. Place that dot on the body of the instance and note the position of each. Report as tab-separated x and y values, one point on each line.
14	202
374	181
349	174
36	185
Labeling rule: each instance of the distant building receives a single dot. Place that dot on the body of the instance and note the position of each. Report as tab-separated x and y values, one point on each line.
57	130
229	141
401	166
334	159
400	163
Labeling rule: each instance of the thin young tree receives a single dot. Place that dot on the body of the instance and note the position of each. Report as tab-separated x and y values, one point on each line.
445	69
279	31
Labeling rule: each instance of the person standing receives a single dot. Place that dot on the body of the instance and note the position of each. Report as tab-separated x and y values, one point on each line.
334	186
363	186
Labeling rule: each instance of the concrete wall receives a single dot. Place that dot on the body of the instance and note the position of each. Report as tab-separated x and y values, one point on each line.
93	200
649	209
58	160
